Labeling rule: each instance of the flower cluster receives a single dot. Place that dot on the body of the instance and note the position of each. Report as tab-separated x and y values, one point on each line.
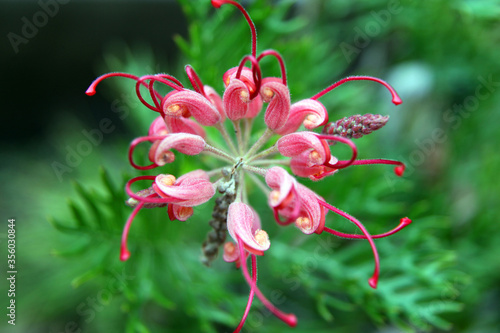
183	116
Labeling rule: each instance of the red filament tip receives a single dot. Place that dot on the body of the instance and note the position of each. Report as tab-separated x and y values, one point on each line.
404	222
218	3
124	253
91	89
288	318
373	281
280	60
399	170
395	97
376	272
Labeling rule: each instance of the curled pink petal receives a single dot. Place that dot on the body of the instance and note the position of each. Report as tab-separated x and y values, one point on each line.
295	144
301	166
185	143
313	214
160	157
240	221
230	252
184	125
278	110
195	174
309	112
282	184
158	127
304	209
177	212
246	76
187	192
236	99
254	107
216	100
185	103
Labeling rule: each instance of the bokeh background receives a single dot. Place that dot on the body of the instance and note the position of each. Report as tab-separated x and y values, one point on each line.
63	167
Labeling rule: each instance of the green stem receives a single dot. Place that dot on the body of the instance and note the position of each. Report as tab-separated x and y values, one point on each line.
270	162
239	135
248	131
259	183
218	153
241	192
255	170
268	152
262	140
226	137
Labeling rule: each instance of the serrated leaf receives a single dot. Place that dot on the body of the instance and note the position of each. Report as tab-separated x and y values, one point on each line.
323	309
162	300
89	275
77	214
76	251
106	179
183	45
338	304
90	200
61	227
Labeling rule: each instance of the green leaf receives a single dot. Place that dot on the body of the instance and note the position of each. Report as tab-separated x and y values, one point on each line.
85	277
61	227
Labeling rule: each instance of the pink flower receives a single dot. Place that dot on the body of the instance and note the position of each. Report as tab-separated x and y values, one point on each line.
243	224
180	129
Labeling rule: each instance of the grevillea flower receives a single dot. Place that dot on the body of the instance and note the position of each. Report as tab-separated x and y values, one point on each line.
308	151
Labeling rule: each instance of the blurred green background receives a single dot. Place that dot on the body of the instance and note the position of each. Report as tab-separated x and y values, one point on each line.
440	274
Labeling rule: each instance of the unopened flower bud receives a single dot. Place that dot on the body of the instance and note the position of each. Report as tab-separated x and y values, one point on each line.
356	126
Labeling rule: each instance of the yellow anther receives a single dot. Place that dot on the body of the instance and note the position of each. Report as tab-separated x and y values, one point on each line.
315	157
303	223
167	180
274	197
311	120
267	93
261	237
174	110
244	95
162	132
229	248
